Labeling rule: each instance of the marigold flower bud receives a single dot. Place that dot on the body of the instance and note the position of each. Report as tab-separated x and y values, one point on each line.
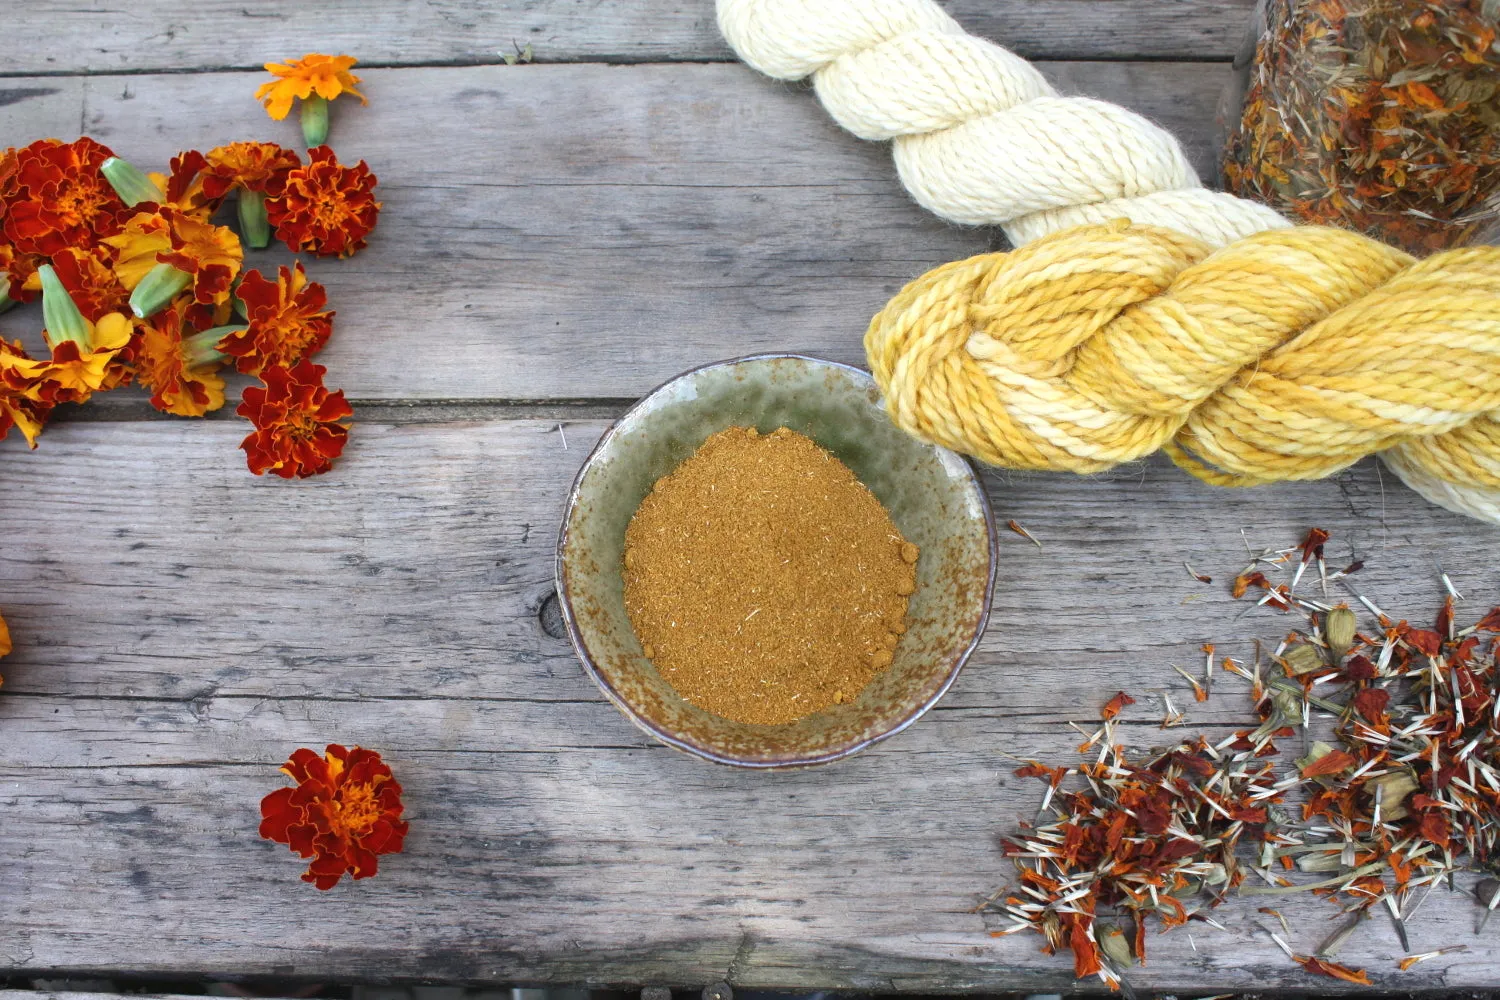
314	113
161	285
255	228
203	348
130	183
60	313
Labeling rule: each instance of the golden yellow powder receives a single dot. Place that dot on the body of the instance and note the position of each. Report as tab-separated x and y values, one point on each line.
764	580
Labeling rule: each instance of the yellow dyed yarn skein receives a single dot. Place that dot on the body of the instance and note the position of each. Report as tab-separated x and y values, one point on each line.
1289	354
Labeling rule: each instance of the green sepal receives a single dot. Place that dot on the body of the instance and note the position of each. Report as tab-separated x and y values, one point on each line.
60	315
133	186
203	348
315	120
255	228
161	285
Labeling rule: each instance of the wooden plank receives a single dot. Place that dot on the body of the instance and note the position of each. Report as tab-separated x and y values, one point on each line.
587	231
180	627
61	36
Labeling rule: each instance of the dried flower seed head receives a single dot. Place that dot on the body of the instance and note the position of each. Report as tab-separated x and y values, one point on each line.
1115	946
1304	659
1338	630
1392	790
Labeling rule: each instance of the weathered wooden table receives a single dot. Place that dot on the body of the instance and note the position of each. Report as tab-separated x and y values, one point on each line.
558	238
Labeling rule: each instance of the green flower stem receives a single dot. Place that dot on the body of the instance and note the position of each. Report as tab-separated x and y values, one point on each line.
60	314
133	186
315	120
160	286
254	226
203	348
5	300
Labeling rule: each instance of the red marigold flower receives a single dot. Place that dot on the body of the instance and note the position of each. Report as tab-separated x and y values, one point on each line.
184	186
326	208
89	277
180	373
296	422
16	271
345	810
287	321
60	199
8	167
253	166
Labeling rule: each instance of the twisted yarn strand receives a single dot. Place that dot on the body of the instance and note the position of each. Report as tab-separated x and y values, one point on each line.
1142	311
980	137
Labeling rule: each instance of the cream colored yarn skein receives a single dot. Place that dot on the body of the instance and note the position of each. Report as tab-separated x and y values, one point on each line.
981	138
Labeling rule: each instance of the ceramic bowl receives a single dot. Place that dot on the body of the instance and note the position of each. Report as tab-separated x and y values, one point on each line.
933	495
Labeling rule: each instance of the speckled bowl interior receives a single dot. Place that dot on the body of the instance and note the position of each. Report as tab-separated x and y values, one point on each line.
933	495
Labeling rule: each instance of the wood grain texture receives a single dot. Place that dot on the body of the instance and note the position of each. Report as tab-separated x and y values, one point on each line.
66	36
181	627
586	231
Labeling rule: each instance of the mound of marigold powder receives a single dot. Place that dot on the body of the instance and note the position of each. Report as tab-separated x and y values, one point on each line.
764	580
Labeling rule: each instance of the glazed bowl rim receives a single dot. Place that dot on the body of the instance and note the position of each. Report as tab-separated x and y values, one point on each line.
580	648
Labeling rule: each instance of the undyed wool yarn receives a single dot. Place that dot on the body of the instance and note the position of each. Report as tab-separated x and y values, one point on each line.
1142	310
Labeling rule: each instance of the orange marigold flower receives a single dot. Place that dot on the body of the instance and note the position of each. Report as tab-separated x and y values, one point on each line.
287	321
5	646
211	254
60	199
253	166
326	209
180	371
297	432
325	76
345	810
18	408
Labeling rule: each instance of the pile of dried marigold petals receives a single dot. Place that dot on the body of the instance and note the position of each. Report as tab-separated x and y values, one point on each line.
1410	795
138	284
1148	835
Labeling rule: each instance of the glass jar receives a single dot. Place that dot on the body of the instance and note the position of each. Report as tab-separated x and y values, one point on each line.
1381	116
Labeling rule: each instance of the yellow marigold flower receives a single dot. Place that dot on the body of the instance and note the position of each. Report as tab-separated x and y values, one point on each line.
77	370
326	76
146	235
